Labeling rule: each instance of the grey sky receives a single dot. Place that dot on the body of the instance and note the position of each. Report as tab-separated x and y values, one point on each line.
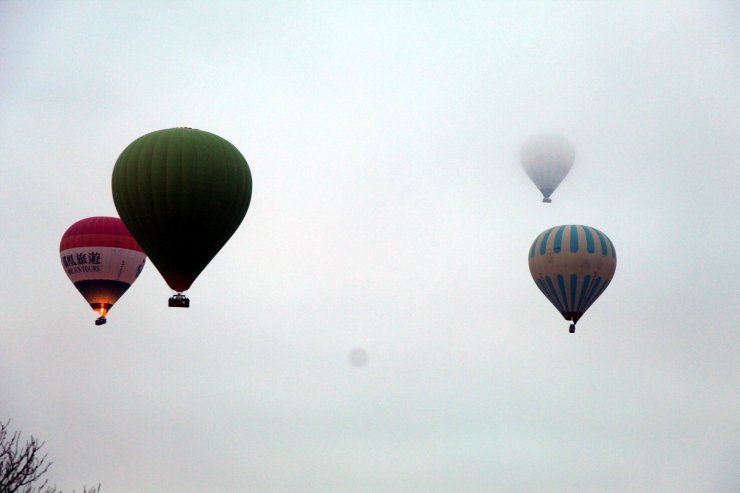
390	213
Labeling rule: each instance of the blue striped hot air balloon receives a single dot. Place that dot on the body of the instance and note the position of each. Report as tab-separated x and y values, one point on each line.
572	265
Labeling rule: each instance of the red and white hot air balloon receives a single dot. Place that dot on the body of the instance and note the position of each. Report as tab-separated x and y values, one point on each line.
102	259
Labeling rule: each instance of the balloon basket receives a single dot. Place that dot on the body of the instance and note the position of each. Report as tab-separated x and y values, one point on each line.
572	328
547	200
100	321
179	301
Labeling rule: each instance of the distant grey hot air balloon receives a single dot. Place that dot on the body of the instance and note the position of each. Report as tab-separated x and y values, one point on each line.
547	158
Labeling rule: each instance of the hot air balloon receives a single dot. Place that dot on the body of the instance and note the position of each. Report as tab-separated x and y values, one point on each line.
102	259
182	193
547	159
572	265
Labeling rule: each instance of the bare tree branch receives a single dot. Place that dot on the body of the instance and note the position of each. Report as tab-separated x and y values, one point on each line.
22	466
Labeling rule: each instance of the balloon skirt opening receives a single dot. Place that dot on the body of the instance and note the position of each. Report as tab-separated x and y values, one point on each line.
572	316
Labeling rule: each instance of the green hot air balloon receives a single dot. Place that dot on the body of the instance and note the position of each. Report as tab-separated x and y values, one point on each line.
182	193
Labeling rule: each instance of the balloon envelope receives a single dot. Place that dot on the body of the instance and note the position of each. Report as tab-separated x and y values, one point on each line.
102	259
572	265
547	159
182	193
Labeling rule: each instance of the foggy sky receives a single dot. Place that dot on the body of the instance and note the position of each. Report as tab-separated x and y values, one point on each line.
390	213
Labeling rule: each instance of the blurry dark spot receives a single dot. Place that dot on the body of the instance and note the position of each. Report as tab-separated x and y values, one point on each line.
358	357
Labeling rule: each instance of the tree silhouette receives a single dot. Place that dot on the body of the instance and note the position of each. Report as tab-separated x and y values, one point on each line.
23	466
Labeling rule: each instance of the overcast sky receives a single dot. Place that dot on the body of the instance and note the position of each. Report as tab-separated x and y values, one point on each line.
390	213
